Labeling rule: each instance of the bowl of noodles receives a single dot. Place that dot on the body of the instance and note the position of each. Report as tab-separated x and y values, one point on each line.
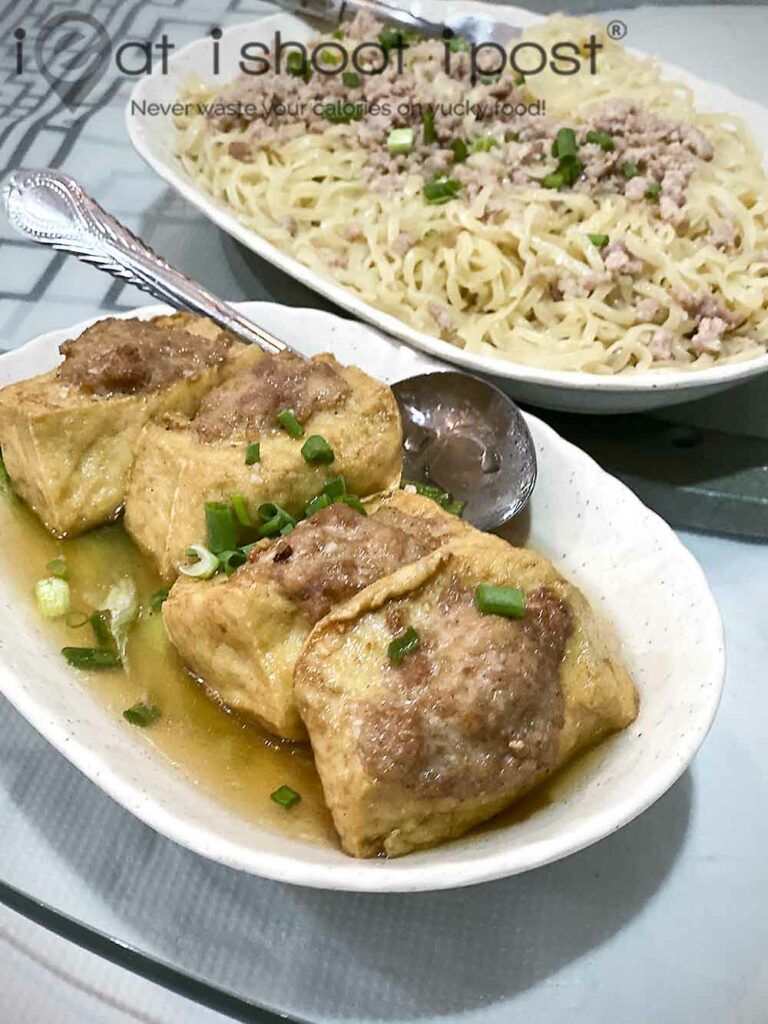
580	222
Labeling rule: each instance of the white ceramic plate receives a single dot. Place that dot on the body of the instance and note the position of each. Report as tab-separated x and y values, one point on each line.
627	561
153	138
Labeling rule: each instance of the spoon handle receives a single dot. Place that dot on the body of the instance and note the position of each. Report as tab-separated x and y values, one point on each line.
51	208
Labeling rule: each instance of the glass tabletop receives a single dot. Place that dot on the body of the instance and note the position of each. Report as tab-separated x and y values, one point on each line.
669	916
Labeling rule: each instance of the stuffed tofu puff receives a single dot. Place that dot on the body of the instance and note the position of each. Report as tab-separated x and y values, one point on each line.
417	743
182	464
68	437
242	634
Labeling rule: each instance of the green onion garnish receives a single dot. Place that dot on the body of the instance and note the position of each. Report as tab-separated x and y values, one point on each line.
58	567
142	714
287	420
241	510
354	502
335	487
316	504
460	151
553	180
441	190
317	449
220	524
508	601
631	170
102	634
601	139
351	79
286	797
443	498
458	45
158	599
405	643
252	453
338	34
519	79
565	143
91	657
231	560
5	480
343	113
273	519
598	240
297	65
400	141
653	190
428	122
52	596
390	36
329	57
206	565
484	144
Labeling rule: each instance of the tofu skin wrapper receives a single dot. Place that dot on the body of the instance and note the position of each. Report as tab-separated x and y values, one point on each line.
180	466
69	450
415	753
242	634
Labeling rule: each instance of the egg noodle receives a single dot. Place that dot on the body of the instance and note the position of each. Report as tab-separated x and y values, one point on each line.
478	271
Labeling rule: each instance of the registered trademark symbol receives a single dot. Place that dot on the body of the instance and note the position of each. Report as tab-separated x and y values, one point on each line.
617	29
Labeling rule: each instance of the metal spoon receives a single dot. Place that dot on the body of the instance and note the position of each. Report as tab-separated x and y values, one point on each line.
460	433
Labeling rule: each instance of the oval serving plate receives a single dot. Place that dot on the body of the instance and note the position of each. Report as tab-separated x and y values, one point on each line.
575	391
623	556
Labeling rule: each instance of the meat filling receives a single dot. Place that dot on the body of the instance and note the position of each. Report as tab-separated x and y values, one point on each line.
339	552
129	356
478	708
249	403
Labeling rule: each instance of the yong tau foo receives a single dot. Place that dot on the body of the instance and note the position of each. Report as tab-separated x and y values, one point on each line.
68	436
312	420
436	673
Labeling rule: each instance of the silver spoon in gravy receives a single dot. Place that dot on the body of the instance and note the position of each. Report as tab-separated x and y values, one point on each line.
461	434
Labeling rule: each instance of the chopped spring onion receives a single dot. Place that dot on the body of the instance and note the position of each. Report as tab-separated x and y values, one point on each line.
553	180
206	565
428	122
400	141
91	657
565	144
58	567
274	519
158	599
52	596
142	714
220	525
287	420
329	57
631	170
601	139
231	560
391	37
241	510
286	797
252	453
338	34
335	487
286	529
458	45
443	498
317	449
460	151
354	502
316	504
598	240
508	601
351	79
441	190
298	66
484	144
76	620
343	113
404	643
102	634
519	79
653	190
122	604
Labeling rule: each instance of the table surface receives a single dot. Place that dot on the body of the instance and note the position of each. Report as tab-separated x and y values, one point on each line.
668	918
